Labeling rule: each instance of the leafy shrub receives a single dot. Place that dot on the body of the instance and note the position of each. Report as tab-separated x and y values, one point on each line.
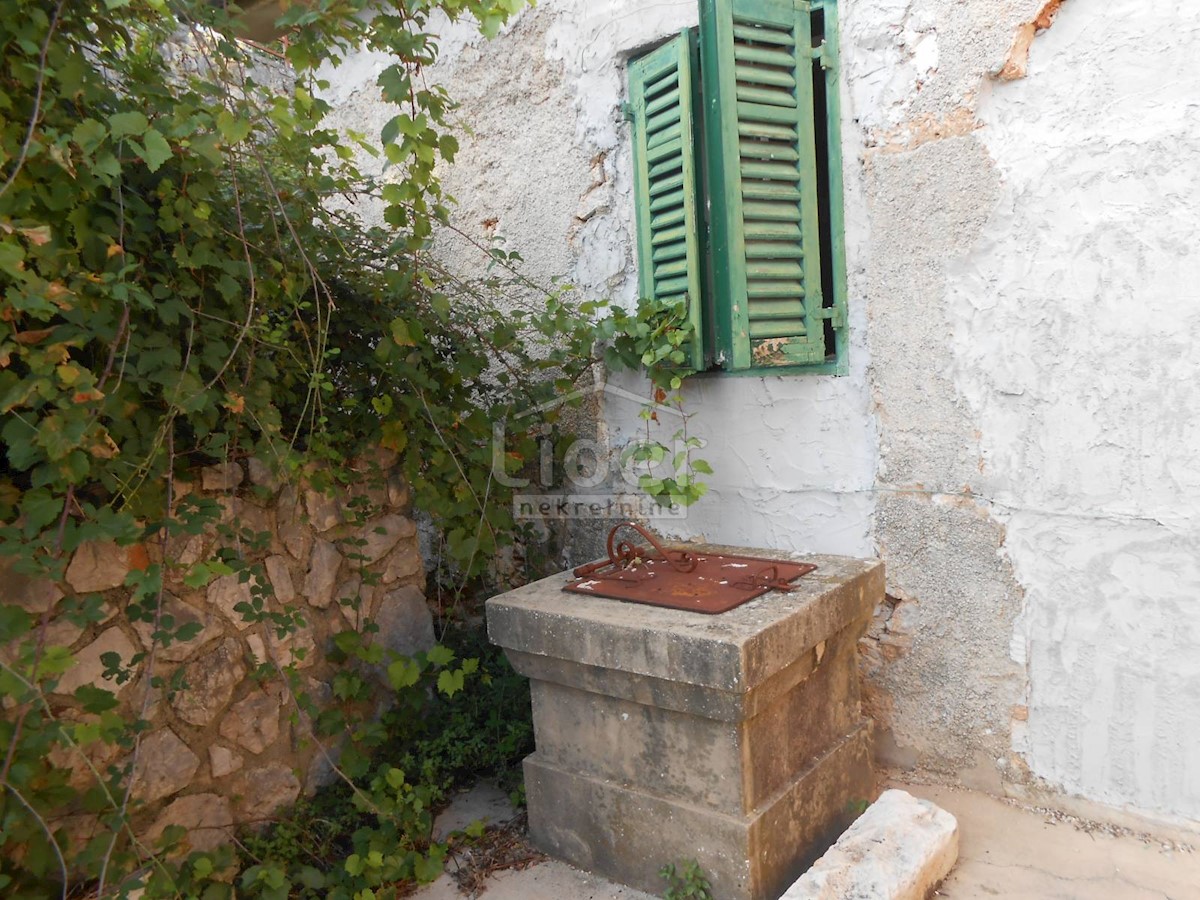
178	286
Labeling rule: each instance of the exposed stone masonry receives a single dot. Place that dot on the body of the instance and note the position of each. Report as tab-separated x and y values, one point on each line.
231	748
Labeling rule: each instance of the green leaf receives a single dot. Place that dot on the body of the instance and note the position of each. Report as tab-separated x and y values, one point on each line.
428	868
128	124
440	655
311	877
95	700
11	258
450	681
401	333
156	150
14	622
403	673
40	508
231	128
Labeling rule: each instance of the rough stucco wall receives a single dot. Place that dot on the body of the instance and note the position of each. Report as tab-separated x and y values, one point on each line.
1075	319
940	678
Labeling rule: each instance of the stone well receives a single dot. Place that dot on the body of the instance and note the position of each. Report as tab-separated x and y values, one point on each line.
736	740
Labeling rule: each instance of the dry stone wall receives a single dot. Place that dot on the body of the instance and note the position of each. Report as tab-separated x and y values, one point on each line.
227	744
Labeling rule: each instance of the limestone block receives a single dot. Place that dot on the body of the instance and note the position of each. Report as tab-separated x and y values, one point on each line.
404	562
627	834
210	681
222	761
261	475
397	492
320	771
297	648
59	633
405	622
222	477
206	819
180	614
262	791
381	535
375	459
77	831
225	593
34	595
324	509
675	752
253	722
98	566
188	549
733	652
662	734
322	575
280	572
899	849
351	601
81	761
248	521
258	649
89	667
295	534
165	766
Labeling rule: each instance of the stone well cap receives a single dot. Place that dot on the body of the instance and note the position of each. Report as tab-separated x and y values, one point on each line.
733	651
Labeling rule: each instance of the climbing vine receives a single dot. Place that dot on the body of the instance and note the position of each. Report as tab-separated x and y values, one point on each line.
653	338
184	279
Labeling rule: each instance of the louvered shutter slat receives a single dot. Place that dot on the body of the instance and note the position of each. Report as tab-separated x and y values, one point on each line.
763	75
661	98
758	68
667	100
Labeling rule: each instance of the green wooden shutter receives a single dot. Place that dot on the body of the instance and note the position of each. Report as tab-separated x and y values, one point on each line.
756	57
661	98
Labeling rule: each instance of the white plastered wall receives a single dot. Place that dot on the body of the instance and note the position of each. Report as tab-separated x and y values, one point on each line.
1017	436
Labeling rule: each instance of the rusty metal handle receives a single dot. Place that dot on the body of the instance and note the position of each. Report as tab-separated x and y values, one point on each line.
624	555
767	578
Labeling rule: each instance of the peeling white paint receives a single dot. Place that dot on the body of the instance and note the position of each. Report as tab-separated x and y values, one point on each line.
1076	319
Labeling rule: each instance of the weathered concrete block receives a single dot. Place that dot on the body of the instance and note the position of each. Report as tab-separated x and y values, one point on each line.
899	849
661	734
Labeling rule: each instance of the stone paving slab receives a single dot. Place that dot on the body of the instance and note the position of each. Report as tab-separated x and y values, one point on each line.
1010	852
1006	852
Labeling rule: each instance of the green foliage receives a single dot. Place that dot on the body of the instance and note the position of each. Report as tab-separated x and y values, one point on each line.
687	880
183	280
175	285
376	832
654	339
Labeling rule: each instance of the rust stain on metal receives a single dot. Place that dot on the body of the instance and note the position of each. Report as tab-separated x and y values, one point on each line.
677	579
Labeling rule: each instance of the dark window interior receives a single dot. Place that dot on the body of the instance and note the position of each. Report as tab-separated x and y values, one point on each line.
821	139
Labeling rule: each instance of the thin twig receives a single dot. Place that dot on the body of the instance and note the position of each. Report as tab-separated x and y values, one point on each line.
62	863
37	101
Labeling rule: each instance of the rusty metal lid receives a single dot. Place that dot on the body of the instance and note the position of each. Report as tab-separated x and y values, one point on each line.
698	582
